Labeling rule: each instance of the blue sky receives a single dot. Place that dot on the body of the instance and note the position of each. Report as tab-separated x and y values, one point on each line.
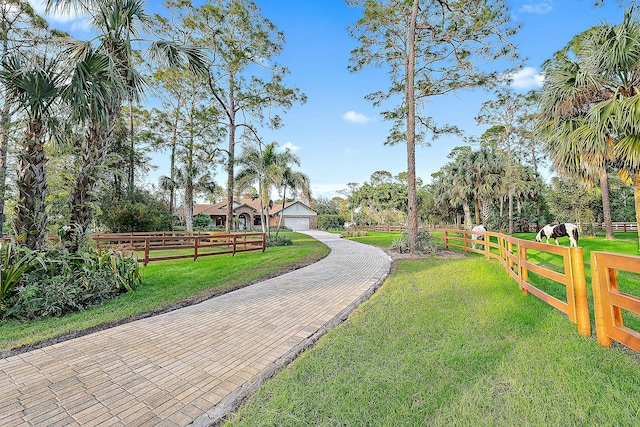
338	135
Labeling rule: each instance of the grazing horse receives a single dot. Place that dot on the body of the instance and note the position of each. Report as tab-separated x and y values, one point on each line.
567	229
477	236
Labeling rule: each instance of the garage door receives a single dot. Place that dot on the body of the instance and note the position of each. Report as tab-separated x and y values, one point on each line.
297	224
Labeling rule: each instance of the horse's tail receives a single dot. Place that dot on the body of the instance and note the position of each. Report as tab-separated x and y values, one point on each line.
575	235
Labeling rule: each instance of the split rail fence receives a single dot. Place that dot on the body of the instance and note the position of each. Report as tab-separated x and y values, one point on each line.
176	245
568	270
609	302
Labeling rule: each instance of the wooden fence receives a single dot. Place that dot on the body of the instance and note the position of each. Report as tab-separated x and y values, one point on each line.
177	245
621	226
512	253
383	228
609	301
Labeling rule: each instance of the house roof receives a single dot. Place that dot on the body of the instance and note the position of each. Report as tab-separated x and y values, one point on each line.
220	208
278	207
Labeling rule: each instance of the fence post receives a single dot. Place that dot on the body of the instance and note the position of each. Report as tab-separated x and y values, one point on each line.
466	241
446	240
234	244
487	248
580	289
146	250
196	241
524	273
264	241
602	328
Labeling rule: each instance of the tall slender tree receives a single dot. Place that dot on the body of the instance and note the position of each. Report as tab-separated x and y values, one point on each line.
430	48
244	79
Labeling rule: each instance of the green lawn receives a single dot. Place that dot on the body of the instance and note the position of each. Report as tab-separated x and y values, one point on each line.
168	283
452	342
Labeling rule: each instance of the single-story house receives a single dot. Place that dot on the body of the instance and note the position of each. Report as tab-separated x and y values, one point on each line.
295	215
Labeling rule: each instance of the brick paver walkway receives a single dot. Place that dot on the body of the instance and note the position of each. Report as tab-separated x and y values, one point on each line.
190	366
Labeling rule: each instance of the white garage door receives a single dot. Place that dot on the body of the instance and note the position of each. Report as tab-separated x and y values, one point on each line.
297	224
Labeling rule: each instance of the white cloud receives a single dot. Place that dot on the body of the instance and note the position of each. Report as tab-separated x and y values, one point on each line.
327	190
69	21
289	146
527	78
538	8
353	117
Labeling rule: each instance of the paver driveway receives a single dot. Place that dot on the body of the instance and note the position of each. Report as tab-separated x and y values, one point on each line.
190	366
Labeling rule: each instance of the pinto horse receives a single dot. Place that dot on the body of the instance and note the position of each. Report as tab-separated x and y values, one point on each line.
477	236
567	229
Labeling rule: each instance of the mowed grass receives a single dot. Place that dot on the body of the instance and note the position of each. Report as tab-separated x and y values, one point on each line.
168	283
452	342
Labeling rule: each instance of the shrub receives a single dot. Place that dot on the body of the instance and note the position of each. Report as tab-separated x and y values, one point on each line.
13	266
279	241
425	244
201	221
354	233
65	282
330	222
144	213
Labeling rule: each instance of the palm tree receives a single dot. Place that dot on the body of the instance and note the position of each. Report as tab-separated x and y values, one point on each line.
615	51
485	168
118	24
294	181
591	69
260	167
34	86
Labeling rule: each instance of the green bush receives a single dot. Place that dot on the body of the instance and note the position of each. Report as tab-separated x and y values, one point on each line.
279	241
13	265
143	213
201	221
330	222
65	282
425	244
354	233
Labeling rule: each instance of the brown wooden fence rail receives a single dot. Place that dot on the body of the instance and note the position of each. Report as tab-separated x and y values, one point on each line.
383	228
609	301
621	226
177	245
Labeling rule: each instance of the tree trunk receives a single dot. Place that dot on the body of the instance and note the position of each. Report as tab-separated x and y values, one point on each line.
477	207
412	201
284	201
606	204
132	146
30	216
231	159
636	197
5	122
467	215
188	207
95	147
510	212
